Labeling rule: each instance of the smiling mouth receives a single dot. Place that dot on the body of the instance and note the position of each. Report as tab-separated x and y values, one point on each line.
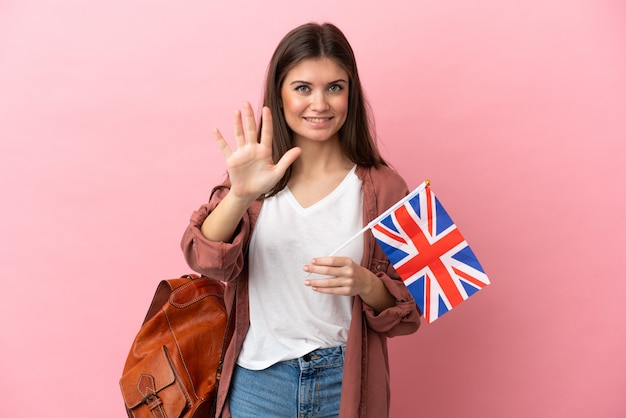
317	120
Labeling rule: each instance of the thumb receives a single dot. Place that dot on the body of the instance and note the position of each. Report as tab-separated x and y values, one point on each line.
288	158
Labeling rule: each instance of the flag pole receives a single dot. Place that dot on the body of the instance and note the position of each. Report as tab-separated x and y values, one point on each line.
382	215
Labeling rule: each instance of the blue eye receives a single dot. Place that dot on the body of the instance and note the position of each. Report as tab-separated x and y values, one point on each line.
302	88
335	88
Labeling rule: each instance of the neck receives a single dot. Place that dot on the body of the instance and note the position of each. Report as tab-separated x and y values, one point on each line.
318	158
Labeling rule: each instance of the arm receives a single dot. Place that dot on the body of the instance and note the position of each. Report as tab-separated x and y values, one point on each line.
389	306
251	171
221	223
401	319
222	260
213	242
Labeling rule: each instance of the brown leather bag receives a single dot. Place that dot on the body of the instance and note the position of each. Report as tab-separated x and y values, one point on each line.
175	361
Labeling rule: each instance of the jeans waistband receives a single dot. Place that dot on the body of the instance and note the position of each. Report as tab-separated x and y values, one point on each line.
322	357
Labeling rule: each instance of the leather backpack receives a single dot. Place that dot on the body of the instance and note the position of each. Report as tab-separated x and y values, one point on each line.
174	364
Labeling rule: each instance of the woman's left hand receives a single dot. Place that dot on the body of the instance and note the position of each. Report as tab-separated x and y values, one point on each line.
347	278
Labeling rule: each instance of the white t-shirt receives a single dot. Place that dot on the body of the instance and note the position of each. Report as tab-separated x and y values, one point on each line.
287	318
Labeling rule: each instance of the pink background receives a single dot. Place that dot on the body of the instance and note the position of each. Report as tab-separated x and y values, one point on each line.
515	110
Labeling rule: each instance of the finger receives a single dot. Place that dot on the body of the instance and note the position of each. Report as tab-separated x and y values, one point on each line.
328	286
267	128
329	261
250	123
330	283
329	272
287	159
221	143
240	137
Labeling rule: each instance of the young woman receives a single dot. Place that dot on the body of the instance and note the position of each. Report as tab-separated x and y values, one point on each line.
310	328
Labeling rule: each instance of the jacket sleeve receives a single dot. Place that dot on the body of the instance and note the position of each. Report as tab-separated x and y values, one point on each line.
401	319
386	188
218	260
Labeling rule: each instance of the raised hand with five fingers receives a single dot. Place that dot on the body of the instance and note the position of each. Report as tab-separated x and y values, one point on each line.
250	166
251	170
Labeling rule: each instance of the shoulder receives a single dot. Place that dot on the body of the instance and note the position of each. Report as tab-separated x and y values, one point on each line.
382	187
383	178
387	176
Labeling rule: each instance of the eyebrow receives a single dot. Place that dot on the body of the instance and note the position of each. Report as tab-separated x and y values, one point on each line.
341	80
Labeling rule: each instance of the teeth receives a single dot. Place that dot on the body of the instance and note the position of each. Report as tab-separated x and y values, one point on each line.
317	120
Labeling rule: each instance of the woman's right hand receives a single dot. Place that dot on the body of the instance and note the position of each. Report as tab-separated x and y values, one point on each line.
250	166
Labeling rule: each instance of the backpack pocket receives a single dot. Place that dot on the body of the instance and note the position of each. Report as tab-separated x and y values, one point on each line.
152	388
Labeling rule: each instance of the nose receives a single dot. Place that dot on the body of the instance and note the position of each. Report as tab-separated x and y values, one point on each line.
319	102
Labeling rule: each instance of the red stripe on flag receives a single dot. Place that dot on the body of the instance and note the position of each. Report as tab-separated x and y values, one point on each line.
469	278
427	301
429	254
389	234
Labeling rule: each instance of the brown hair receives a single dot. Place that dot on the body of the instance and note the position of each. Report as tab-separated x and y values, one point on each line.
313	40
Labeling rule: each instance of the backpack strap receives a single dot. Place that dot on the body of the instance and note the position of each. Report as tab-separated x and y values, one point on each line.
227	338
163	292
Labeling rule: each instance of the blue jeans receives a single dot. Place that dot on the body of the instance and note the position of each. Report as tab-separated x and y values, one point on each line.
306	387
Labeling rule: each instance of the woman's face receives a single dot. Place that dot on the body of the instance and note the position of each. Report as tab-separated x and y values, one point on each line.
314	97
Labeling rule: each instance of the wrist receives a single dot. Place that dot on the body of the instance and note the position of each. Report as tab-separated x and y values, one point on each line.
236	201
376	294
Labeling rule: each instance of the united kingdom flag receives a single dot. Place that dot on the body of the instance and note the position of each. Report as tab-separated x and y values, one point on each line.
429	253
